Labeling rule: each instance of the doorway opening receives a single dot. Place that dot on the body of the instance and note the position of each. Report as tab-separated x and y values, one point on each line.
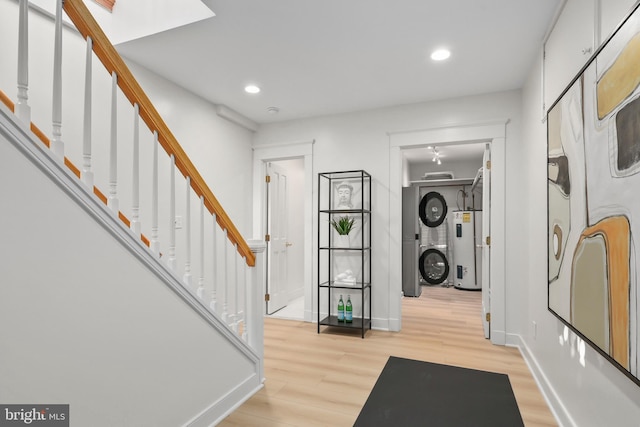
285	228
294	252
445	214
493	132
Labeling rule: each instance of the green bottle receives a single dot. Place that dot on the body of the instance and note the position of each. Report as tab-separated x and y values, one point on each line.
340	310
349	310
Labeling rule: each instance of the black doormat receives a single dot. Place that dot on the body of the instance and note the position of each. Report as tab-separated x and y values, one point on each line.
413	393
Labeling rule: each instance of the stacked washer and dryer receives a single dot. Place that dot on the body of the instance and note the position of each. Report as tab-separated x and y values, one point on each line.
440	246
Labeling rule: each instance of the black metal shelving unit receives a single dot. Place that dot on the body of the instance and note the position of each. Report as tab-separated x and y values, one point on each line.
336	258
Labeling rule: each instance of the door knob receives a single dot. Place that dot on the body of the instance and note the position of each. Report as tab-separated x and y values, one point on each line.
288	244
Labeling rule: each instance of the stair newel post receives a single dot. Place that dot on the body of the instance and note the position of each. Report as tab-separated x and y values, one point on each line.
22	108
135	196
171	262
236	283
113	148
255	311
187	219
214	263
200	291
155	244
57	146
225	315
87	174
245	309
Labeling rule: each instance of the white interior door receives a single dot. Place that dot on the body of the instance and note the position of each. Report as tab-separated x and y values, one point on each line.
277	282
486	246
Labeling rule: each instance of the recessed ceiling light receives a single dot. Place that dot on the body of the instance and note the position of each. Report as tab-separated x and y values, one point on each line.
440	54
252	89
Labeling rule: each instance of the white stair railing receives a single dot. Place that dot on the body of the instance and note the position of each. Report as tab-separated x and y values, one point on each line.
135	178
23	111
112	200
87	174
57	146
241	285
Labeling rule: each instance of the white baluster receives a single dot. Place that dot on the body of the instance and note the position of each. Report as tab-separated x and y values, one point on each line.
154	244
22	108
135	202
187	230
225	315
87	174
214	263
245	309
236	281
113	148
201	278
171	262
57	146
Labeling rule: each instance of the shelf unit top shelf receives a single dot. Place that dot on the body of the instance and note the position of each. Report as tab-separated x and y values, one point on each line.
353	174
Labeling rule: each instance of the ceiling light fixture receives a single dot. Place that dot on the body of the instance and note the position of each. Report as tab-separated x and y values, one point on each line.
436	156
251	89
440	54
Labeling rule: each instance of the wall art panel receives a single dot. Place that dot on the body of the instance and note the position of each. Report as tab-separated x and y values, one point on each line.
593	178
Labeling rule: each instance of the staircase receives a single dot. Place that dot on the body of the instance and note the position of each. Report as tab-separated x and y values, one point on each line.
101	306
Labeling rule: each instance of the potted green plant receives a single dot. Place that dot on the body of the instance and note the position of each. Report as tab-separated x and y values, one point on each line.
343	226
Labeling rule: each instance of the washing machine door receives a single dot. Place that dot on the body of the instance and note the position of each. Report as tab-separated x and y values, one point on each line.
433	266
432	209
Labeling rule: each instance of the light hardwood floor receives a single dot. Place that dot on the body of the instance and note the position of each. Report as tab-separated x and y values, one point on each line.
324	379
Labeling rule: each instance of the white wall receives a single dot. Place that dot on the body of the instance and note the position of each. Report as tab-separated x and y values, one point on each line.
220	150
462	169
87	322
361	141
596	394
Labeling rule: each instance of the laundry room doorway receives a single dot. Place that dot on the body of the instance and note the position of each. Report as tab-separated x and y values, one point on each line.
481	267
444	205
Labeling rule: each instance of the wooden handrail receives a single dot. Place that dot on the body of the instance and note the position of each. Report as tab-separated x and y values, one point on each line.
113	62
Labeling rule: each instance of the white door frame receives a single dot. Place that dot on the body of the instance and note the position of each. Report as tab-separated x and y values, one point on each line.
492	132
268	153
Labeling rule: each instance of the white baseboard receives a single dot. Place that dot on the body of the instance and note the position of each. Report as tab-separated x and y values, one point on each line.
394	325
498	337
228	403
556	406
309	316
296	293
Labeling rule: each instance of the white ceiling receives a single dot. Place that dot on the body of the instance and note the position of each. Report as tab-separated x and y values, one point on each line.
314	58
448	153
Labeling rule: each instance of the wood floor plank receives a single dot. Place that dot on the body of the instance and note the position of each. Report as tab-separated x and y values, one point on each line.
324	379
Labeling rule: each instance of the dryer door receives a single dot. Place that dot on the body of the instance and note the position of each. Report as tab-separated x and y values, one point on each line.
432	209
433	266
